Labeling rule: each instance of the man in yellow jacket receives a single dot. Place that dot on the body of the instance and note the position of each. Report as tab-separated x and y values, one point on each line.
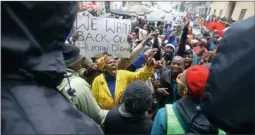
108	87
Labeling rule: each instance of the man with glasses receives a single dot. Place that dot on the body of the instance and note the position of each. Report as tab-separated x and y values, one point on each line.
184	115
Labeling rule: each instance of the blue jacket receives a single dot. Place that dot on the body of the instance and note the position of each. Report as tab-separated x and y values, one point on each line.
139	61
184	110
160	123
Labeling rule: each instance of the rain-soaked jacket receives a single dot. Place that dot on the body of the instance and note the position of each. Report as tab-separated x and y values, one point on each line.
82	98
184	110
33	66
101	92
229	93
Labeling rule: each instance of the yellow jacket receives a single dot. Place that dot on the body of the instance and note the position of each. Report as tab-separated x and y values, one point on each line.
102	94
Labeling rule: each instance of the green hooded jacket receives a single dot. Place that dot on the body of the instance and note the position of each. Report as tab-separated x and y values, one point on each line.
82	98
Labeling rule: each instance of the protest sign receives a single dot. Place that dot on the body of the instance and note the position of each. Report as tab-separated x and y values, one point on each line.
96	35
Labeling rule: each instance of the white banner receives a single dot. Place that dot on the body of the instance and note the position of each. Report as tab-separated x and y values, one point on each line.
96	35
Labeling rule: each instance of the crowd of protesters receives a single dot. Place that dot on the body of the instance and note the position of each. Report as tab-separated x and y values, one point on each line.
174	82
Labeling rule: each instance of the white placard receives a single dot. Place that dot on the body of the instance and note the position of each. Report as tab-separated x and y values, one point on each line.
96	35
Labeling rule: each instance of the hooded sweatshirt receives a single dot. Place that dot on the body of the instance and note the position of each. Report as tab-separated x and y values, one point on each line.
82	99
229	92
33	66
185	111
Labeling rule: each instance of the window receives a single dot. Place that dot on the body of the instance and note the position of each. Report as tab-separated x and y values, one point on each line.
241	16
206	9
220	14
124	3
209	11
214	12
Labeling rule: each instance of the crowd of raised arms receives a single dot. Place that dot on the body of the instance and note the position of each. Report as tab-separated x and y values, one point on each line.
174	82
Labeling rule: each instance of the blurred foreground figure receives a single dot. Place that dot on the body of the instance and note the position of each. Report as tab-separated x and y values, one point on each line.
33	34
131	117
229	93
183	116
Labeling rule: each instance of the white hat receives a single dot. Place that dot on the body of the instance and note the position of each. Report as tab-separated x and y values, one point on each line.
170	45
187	47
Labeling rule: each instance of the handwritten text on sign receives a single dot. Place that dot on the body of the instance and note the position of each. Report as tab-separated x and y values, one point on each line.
97	35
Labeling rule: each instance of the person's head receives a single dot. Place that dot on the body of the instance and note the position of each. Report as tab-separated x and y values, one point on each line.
147	28
194	43
177	65
72	57
175	27
137	98
192	82
89	74
187	58
206	34
169	48
110	64
178	28
202	42
123	63
138	21
27	45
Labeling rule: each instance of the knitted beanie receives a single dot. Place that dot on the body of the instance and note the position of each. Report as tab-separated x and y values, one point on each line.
196	77
71	54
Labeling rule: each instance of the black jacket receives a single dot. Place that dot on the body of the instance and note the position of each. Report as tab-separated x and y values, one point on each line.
229	94
166	82
115	123
187	110
33	35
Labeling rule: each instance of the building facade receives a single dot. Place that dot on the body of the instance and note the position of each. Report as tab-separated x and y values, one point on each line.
200	8
235	10
115	5
125	4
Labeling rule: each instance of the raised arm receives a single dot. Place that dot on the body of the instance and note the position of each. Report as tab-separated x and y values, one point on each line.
183	41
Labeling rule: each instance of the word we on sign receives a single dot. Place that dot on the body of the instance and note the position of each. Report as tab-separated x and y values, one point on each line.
96	35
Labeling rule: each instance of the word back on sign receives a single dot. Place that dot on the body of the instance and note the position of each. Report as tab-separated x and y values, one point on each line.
96	35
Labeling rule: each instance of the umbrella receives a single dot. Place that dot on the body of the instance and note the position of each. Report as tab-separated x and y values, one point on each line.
165	6
107	15
219	26
156	15
169	17
138	9
119	12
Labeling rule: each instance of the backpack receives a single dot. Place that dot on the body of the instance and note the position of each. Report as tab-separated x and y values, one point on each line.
174	125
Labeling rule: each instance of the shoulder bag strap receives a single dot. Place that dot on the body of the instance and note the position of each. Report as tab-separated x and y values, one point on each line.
173	125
